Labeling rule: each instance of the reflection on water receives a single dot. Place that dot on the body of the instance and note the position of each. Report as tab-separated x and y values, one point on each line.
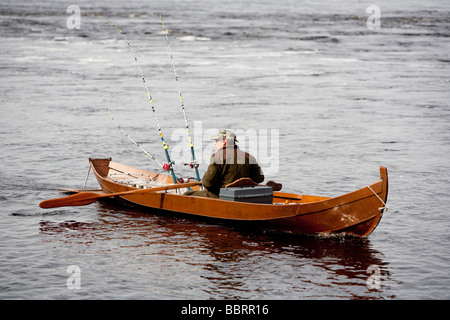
207	260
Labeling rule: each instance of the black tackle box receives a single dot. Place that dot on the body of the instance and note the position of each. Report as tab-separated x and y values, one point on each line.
252	194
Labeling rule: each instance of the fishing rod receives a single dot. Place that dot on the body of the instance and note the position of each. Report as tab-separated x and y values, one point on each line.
182	180
194	163
126	134
168	166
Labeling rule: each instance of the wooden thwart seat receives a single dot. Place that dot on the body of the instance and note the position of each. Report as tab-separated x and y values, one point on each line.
247	182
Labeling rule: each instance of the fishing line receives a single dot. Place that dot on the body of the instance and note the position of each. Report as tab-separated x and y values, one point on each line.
126	134
194	163
169	165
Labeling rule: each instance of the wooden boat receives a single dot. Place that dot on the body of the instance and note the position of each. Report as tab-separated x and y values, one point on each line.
356	213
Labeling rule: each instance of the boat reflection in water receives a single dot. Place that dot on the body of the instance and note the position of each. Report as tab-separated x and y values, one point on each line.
164	256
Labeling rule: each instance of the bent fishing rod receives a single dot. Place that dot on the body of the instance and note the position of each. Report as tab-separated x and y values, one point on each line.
163	166
126	134
169	165
194	163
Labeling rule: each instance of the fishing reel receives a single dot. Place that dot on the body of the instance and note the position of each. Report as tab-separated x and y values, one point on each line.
186	179
168	166
192	165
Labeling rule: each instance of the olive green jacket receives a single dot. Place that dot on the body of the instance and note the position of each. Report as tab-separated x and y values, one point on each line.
229	164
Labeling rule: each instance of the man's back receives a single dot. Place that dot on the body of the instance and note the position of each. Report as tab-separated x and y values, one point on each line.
229	164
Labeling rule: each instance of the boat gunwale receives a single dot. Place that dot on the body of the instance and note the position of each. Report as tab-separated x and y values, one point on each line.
283	213
378	185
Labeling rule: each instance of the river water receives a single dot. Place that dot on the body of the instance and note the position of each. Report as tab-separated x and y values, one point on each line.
318	93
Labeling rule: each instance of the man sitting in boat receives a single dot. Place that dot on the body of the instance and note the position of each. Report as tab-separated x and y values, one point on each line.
227	165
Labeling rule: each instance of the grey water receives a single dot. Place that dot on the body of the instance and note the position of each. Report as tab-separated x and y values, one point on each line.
319	92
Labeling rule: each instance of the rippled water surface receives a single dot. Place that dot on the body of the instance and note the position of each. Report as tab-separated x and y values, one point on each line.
338	98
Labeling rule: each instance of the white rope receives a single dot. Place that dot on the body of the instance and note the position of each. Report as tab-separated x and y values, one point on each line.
385	207
87	177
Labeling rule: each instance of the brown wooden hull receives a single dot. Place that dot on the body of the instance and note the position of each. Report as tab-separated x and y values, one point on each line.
356	213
